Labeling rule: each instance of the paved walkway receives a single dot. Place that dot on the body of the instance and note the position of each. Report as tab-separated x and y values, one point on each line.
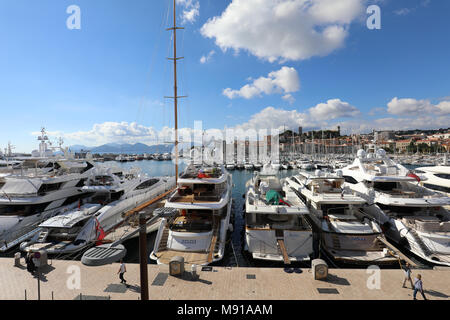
224	283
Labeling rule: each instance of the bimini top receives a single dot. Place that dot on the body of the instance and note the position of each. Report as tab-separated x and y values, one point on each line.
71	218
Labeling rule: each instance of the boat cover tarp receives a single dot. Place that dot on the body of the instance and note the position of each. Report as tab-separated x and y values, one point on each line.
273	197
21	186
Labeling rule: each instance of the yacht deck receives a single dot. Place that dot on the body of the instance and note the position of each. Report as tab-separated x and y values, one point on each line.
190	258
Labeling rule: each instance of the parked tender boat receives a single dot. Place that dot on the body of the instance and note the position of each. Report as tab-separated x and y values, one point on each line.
411	215
275	224
347	232
197	229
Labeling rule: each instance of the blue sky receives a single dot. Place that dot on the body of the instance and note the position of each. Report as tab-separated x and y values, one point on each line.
285	63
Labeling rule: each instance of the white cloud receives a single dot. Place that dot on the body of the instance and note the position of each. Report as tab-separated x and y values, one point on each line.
207	58
315	117
283	81
403	11
444	107
414	107
333	109
191	10
289	98
284	29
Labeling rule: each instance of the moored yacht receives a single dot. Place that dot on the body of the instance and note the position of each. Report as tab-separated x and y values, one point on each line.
200	220
248	165
32	196
114	194
347	232
230	165
275	163
411	215
437	178
275	224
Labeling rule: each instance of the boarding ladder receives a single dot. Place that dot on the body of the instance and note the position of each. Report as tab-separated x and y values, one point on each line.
212	247
42	236
163	242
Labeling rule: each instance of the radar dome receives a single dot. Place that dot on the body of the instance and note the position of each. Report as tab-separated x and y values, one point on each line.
361	154
381	153
339	173
318	173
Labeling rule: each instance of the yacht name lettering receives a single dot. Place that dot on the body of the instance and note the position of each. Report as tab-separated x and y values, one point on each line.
205	311
188	241
244	310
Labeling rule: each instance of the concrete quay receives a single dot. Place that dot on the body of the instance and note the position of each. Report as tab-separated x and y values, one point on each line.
66	280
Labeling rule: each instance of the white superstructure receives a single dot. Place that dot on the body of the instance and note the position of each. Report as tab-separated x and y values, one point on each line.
202	209
275	231
115	193
31	196
347	232
437	178
411	215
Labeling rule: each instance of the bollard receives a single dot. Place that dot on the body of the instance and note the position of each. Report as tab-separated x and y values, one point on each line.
17	259
194	271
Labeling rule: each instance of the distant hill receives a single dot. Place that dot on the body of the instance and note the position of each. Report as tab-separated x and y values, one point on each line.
125	148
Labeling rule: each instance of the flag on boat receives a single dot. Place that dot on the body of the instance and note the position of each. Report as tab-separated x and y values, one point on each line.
413	175
101	236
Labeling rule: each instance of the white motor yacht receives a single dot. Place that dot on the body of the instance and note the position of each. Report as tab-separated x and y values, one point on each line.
115	193
437	178
31	196
248	165
411	215
347	232
201	209
275	163
275	224
230	165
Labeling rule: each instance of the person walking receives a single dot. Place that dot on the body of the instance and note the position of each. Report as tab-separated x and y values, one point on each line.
122	270
408	276
30	263
418	286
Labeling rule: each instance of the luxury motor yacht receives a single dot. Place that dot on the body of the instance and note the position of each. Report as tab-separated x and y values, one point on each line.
230	165
31	196
305	164
248	165
257	165
275	163
412	216
199	221
275	225
115	193
437	178
347	232
240	165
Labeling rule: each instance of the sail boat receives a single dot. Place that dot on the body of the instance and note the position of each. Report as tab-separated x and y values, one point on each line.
197	214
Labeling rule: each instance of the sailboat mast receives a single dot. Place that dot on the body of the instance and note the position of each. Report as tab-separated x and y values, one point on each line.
175	89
